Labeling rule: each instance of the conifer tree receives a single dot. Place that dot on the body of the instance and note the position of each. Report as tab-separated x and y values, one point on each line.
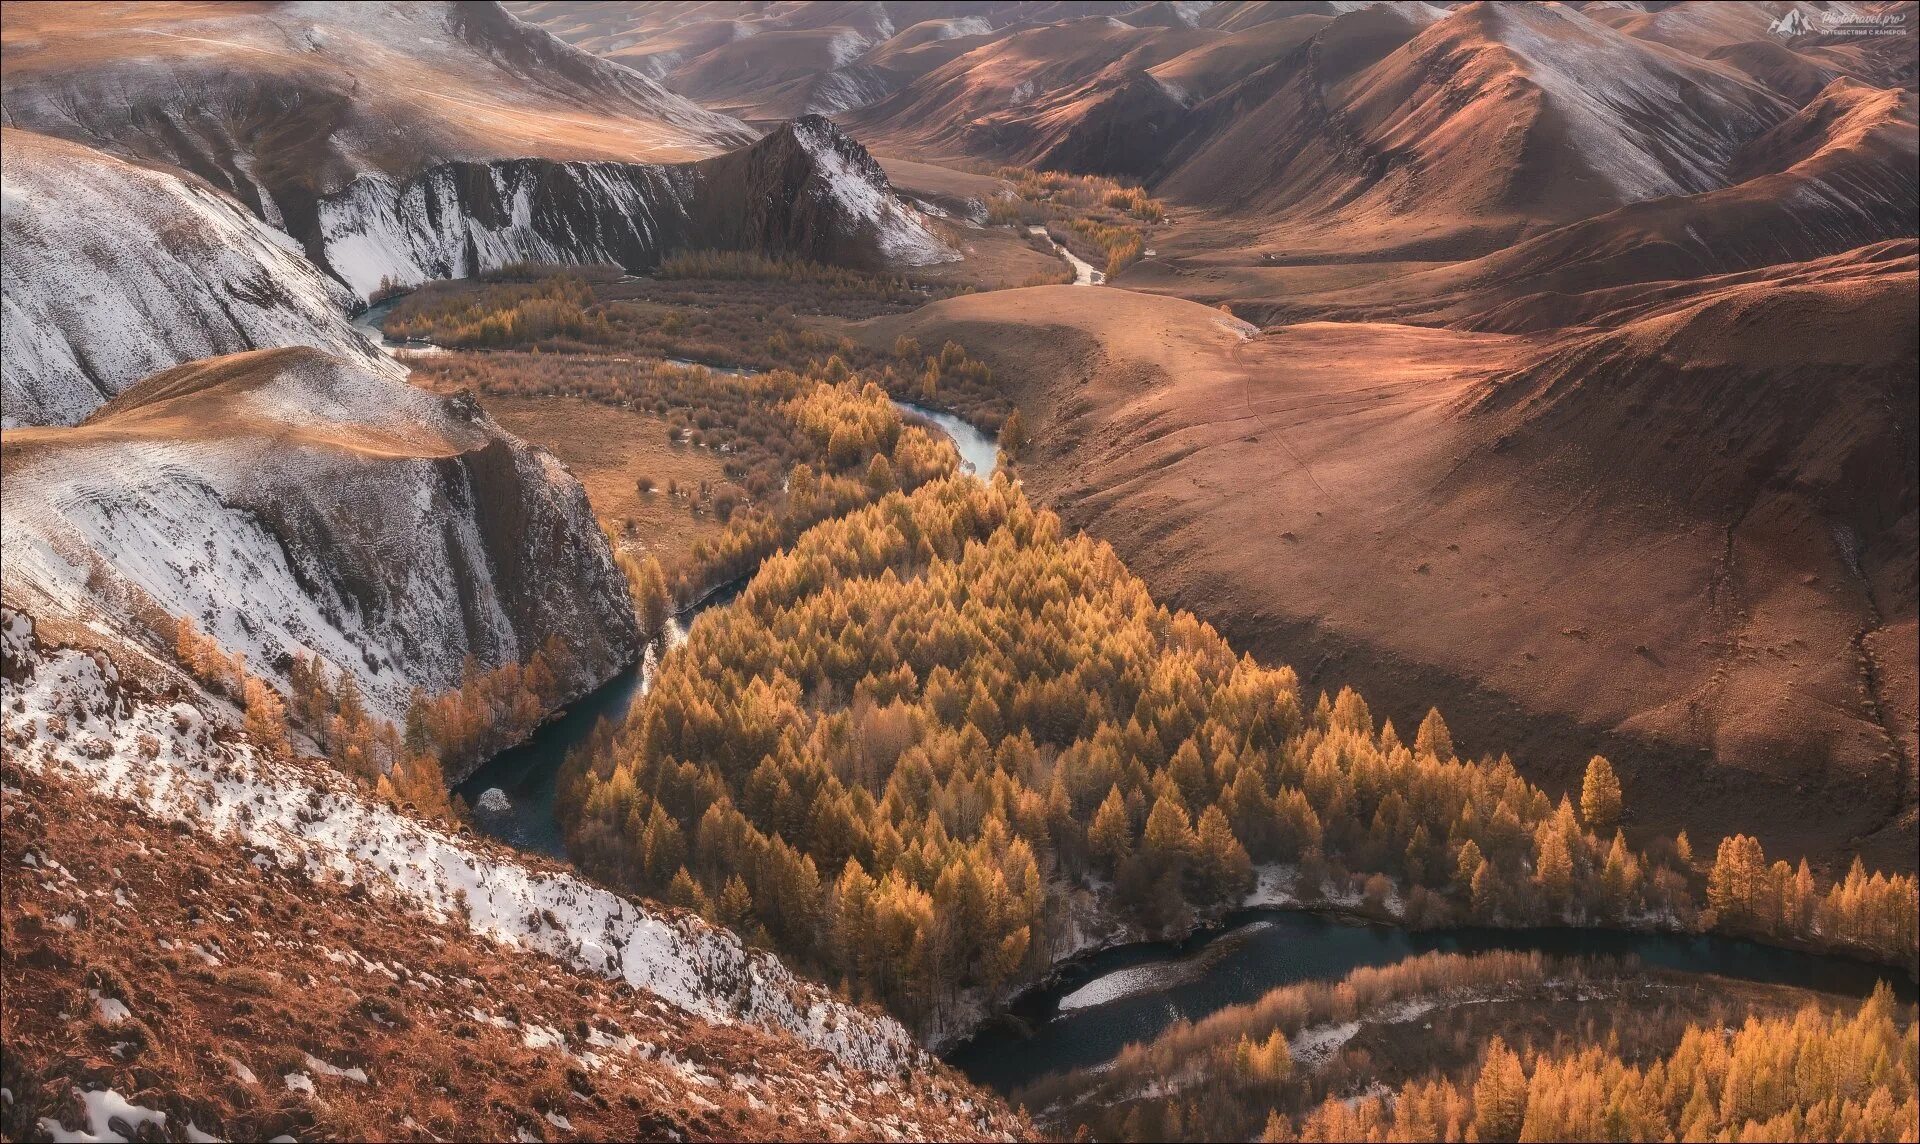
1600	797
1433	737
1500	1094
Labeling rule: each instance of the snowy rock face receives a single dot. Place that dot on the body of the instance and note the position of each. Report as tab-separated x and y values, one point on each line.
461	219
184	759
293	502
806	189
114	271
816	190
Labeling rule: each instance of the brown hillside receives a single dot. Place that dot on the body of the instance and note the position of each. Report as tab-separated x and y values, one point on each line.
1347	498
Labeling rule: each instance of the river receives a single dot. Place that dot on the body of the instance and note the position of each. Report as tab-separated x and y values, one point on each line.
513	793
979	453
526	777
370	323
1097	1005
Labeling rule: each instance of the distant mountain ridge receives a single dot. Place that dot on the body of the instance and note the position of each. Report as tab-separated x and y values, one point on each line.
266	111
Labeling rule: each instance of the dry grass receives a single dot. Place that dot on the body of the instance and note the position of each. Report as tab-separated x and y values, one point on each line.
609	450
113	905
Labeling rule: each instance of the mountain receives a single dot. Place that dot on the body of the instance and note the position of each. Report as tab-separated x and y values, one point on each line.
1836	177
120	268
1743	34
765	62
290	501
1686	543
1476	130
254	948
805	189
278	104
115	270
1072	95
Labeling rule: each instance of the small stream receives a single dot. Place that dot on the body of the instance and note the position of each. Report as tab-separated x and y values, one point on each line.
370	323
1083	272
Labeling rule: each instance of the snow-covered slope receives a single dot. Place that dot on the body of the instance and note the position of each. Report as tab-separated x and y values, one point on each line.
716	1018
805	189
293	502
1646	123
115	270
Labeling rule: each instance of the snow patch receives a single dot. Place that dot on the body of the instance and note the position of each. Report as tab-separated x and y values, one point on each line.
306	815
103	1108
115	271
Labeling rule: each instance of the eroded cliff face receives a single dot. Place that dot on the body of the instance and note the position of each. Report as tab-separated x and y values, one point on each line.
806	190
291	502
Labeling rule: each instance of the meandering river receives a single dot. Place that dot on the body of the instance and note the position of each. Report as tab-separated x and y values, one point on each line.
1095	1006
513	793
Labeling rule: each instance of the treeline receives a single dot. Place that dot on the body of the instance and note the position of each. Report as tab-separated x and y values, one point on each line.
1083	192
489	711
1873	914
1816	1075
1108	217
804	446
949	380
739	417
920	725
1231	1076
364	748
1121	244
1222	1077
485	713
860	451
552	306
749	266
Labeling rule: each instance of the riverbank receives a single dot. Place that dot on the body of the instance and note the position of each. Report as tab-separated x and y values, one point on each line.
1093	1004
526	774
1122	986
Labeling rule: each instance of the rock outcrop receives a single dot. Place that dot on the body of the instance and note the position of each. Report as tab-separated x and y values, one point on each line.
291	502
806	189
